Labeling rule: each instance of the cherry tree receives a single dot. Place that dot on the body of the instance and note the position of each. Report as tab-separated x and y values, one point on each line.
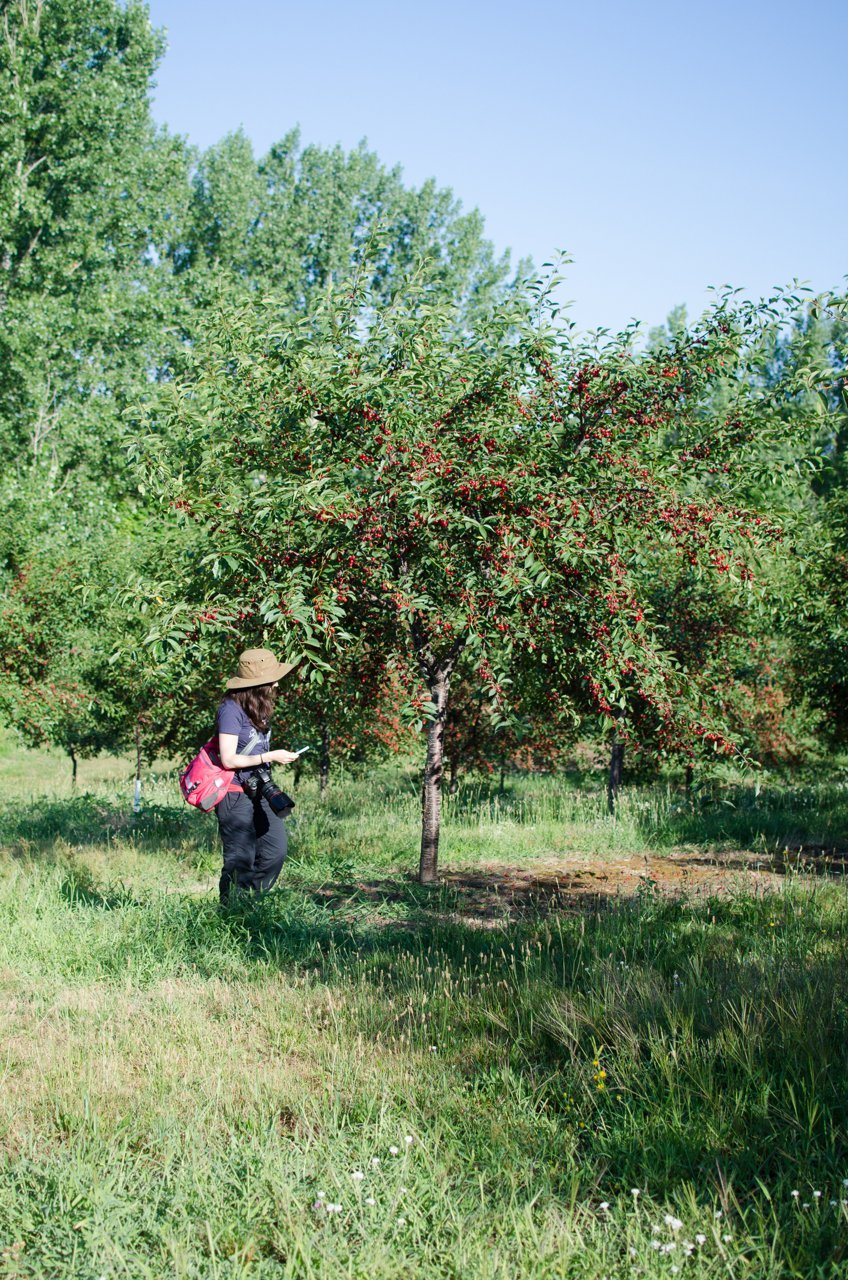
382	476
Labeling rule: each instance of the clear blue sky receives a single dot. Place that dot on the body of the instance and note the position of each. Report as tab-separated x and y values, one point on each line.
666	146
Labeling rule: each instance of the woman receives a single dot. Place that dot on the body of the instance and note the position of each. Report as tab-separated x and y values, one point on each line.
254	837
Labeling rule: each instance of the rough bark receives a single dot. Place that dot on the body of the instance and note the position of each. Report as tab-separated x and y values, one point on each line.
615	767
436	671
431	792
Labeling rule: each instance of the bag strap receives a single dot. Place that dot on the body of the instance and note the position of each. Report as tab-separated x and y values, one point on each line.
251	742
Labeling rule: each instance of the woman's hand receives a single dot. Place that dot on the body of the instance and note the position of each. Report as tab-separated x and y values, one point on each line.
280	757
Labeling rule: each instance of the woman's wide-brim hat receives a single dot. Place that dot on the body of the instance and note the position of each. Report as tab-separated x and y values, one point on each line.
258	666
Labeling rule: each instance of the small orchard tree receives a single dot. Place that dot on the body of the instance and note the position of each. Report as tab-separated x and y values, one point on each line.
64	565
353	715
381	475
484	733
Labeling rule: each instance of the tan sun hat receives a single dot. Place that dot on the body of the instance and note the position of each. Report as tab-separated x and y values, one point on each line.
258	666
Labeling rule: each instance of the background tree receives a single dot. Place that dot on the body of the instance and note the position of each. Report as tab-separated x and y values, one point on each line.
85	191
533	731
817	632
298	218
351	717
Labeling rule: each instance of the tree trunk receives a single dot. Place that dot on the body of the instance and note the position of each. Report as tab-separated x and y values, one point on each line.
502	788
298	774
690	770
74	763
615	767
137	794
324	762
431	791
454	778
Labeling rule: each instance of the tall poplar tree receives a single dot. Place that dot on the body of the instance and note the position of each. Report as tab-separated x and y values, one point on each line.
86	186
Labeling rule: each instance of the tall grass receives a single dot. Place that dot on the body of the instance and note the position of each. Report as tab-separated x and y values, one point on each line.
618	1091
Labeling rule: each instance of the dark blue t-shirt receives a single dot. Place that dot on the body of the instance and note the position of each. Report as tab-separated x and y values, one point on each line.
234	719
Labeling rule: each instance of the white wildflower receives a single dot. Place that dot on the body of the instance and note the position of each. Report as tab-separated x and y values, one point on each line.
632	1251
635	1192
726	1237
671	1221
604	1205
700	1237
401	1222
795	1194
408	1139
370	1200
393	1151
670	1247
817	1195
357	1175
655	1244
375	1162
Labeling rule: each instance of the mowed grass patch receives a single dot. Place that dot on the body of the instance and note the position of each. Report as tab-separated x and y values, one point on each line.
194	1093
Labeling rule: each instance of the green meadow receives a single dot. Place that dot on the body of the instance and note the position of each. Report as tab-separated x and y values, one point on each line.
551	1065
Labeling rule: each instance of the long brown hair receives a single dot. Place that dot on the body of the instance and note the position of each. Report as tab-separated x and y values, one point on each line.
257	703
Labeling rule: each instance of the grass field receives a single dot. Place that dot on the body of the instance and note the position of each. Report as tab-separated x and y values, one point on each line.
550	1066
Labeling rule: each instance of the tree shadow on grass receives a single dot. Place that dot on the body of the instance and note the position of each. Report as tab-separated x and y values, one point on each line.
751	1090
87	820
724	1051
500	896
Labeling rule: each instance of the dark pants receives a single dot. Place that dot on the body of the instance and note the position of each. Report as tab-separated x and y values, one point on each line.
255	843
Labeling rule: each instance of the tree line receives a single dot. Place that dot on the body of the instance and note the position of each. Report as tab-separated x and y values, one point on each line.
293	401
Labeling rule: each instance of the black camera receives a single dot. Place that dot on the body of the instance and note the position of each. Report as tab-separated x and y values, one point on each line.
258	782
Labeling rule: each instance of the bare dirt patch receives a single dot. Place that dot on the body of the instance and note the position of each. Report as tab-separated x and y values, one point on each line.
494	893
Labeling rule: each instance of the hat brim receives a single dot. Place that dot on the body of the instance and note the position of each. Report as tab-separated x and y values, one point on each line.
276	673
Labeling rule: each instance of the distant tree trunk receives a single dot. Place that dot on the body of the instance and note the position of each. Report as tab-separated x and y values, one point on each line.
324	761
453	786
298	774
73	756
615	767
431	791
137	794
503	775
690	770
